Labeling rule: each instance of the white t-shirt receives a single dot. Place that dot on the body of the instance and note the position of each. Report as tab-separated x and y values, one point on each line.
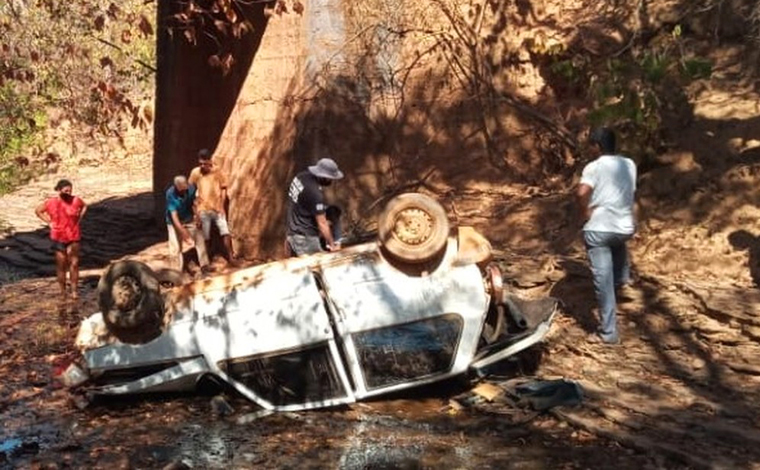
613	182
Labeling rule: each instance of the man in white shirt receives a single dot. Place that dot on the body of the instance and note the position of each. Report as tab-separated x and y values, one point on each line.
606	200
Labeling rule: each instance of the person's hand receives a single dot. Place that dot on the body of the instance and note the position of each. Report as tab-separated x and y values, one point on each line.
188	240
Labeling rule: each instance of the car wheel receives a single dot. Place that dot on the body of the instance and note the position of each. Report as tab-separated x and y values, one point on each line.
413	228
131	303
495	323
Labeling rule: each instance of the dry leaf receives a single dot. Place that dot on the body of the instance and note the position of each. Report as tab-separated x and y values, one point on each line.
221	26
126	36
145	27
227	62
214	61
190	35
229	12
100	22
113	11
147	114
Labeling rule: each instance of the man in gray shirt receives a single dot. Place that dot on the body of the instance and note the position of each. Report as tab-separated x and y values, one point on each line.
606	200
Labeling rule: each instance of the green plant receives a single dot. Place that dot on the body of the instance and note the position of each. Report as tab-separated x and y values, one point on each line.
89	61
695	68
19	129
567	70
655	65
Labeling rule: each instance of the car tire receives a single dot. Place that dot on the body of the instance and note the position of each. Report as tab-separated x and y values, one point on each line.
130	300
495	323
413	228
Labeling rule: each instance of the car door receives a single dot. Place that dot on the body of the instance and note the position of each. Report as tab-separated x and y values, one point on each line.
398	330
267	332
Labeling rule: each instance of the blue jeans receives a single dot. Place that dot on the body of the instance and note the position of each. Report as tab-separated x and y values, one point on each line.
610	267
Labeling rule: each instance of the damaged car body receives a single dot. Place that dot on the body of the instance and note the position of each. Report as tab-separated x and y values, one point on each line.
421	304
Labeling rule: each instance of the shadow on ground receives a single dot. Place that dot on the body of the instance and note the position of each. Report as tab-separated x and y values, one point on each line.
111	229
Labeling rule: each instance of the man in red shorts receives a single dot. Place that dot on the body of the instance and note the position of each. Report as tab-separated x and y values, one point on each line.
63	214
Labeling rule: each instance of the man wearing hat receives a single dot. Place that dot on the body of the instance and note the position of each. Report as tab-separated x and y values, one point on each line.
606	200
307	219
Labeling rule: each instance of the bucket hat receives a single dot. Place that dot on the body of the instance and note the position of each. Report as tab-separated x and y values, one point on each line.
326	168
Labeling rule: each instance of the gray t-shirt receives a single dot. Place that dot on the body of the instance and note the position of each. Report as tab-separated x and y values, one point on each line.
612	179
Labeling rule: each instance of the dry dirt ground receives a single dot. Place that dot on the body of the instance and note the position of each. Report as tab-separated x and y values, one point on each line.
680	392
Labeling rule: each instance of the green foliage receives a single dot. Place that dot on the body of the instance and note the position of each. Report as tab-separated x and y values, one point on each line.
18	130
567	70
695	68
634	92
91	62
654	66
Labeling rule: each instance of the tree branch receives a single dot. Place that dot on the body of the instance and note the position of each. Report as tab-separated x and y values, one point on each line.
121	51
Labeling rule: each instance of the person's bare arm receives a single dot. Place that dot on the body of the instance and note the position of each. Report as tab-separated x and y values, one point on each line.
223	196
583	199
181	230
82	212
324	230
42	213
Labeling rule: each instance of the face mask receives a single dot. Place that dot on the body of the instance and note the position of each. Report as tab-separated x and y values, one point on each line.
67	197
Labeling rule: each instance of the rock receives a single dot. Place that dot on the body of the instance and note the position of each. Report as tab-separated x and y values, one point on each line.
698	363
79	401
34	379
176	465
250	417
220	407
528	280
488	391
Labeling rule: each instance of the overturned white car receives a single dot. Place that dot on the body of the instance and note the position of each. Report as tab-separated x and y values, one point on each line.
419	305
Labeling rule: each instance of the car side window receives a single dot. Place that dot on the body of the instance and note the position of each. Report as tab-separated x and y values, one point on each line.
289	377
412	351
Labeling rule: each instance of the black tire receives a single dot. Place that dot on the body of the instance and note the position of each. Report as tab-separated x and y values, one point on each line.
495	323
130	300
413	228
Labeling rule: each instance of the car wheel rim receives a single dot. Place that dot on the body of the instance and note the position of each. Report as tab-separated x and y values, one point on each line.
126	292
413	226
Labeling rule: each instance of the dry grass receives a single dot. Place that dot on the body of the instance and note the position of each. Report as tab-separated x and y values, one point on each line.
49	338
